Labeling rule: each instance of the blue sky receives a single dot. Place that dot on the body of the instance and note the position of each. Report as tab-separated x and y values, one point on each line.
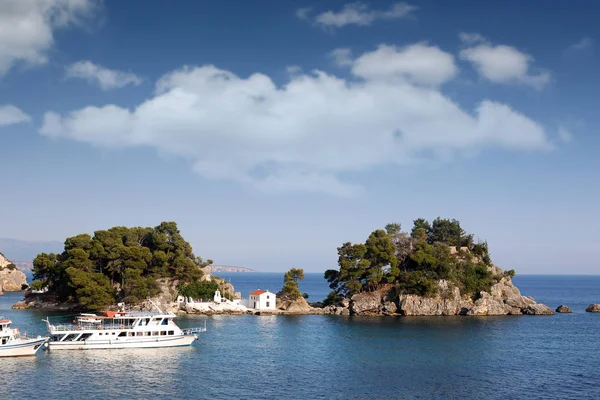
272	132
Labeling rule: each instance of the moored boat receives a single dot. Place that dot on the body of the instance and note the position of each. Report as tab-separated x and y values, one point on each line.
120	330
15	344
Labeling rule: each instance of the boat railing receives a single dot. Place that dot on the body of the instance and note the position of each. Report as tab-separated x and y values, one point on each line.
192	331
84	327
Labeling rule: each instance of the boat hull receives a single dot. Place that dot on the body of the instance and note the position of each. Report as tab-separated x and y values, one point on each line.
22	347
117	343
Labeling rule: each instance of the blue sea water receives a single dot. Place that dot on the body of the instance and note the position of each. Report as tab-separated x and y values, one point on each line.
334	357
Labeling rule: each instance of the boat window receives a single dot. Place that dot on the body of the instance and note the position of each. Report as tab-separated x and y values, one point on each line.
84	336
70	337
154	333
139	334
165	321
55	338
146	333
4	340
131	334
163	333
147	321
171	332
122	334
113	333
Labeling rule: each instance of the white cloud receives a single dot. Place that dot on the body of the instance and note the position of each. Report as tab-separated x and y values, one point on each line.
27	27
472	37
107	78
583	44
504	64
10	115
309	134
359	14
417	63
342	57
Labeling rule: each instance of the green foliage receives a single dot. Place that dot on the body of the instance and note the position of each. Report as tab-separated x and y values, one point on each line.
332	299
413	263
290	288
93	289
198	289
129	259
11	267
417	282
305	295
37	285
510	272
476	278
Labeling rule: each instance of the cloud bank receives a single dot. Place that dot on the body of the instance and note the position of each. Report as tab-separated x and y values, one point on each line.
314	131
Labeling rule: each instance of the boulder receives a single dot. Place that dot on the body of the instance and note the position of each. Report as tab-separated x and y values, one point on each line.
563	309
593	308
299	305
366	303
538	309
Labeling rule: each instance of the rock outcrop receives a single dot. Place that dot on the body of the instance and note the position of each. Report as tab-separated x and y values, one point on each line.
447	301
11	278
593	308
563	309
299	305
504	298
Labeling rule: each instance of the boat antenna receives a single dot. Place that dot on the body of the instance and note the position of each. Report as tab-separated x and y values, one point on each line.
154	304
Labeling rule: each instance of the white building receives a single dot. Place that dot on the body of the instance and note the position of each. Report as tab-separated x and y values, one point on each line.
262	300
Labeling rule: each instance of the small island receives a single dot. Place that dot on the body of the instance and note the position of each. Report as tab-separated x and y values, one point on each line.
435	269
121	265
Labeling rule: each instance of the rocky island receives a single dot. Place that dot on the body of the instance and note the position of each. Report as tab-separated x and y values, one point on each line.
435	269
11	278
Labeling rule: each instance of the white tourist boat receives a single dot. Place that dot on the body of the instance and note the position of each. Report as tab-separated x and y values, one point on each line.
14	344
120	330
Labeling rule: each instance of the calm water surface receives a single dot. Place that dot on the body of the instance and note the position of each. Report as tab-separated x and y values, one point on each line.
330	357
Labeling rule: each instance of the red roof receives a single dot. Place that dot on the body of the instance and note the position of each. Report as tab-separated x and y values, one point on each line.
258	292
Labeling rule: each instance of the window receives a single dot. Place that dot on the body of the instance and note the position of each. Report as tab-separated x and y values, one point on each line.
268	304
146	333
267	299
155	333
85	336
171	333
71	336
130	333
163	333
139	334
165	322
122	334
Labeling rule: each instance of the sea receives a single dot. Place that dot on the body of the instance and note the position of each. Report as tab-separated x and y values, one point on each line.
335	357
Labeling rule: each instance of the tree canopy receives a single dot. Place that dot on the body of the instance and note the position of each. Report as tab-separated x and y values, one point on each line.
117	264
413	262
290	288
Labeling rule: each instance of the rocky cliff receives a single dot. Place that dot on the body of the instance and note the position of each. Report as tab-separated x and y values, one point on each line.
504	298
11	279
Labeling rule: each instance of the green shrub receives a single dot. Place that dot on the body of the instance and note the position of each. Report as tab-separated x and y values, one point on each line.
204	290
332	299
